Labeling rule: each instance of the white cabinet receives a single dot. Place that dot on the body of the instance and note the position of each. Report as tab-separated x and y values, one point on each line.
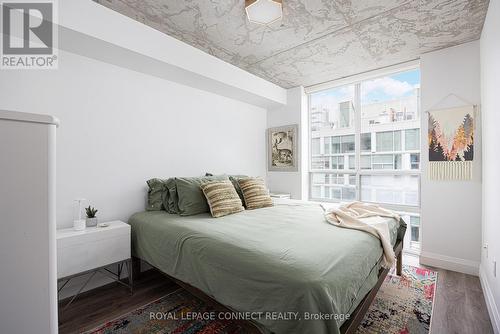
28	282
94	247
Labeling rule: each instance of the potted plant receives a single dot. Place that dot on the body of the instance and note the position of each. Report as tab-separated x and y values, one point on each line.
91	220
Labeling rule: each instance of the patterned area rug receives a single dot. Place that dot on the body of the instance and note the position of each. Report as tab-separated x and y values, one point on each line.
402	306
176	313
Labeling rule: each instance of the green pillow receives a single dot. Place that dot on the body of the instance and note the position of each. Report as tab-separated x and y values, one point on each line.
234	179
155	194
165	196
192	201
172	200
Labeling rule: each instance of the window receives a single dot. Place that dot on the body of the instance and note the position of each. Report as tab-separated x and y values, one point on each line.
412	236
366	142
341	187
383	116
415	161
415	228
333	141
315	146
390	189
388	141
412	139
347	144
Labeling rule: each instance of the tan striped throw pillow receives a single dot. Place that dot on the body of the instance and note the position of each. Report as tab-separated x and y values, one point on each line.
255	193
222	198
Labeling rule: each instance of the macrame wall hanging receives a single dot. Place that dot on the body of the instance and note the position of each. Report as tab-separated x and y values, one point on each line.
451	142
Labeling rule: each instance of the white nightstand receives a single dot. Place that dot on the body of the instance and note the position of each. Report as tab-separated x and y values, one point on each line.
281	195
90	251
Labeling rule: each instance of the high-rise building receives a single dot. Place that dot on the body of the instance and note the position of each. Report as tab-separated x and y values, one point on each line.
390	139
346	113
319	117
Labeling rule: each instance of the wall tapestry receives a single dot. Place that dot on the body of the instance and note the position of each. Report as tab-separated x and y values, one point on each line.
282	148
451	143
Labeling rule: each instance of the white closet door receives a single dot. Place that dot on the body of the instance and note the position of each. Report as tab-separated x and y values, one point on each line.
28	297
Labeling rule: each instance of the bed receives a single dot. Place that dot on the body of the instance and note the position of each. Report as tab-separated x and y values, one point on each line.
284	260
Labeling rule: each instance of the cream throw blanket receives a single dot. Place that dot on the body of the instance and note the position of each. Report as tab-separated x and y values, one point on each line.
368	218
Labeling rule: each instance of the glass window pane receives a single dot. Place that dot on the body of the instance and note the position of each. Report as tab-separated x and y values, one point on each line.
318	178
318	162
385	141
333	186
415	220
391	189
333	193
335	144
332	109
315	146
412	139
366	142
415	233
415	161
390	113
348	194
412	236
334	162
397	140
340	162
348	145
327	141
390	99
397	161
346	114
366	162
332	124
410	197
382	158
389	140
316	192
351	162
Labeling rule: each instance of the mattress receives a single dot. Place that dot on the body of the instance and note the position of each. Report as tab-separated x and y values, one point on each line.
285	265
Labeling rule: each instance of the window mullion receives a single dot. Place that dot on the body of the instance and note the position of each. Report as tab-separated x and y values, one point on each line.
357	137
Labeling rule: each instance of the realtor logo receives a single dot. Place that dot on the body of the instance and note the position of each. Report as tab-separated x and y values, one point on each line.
28	35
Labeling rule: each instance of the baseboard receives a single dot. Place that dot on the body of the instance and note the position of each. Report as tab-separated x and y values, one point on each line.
490	301
450	263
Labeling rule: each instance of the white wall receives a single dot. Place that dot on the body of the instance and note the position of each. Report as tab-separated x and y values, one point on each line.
120	128
490	83
115	38
294	112
451	210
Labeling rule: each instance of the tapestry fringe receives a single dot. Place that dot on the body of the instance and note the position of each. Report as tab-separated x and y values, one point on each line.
450	170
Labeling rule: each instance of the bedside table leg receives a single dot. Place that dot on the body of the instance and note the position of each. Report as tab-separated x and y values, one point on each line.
136	267
131	274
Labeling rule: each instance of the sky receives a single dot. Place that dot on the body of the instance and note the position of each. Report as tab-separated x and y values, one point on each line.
376	90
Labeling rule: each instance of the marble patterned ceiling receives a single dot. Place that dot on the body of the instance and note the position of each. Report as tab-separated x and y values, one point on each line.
317	40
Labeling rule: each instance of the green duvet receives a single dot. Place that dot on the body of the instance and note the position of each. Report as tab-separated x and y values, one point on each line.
295	272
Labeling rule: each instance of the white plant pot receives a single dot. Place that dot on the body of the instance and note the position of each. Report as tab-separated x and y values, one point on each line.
91	222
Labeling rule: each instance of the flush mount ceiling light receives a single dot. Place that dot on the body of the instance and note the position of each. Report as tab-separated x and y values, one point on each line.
264	11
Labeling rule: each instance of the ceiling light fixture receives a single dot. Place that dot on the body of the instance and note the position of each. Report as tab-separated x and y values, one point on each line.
264	11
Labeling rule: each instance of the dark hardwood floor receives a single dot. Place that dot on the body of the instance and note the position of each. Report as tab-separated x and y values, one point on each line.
459	305
108	302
